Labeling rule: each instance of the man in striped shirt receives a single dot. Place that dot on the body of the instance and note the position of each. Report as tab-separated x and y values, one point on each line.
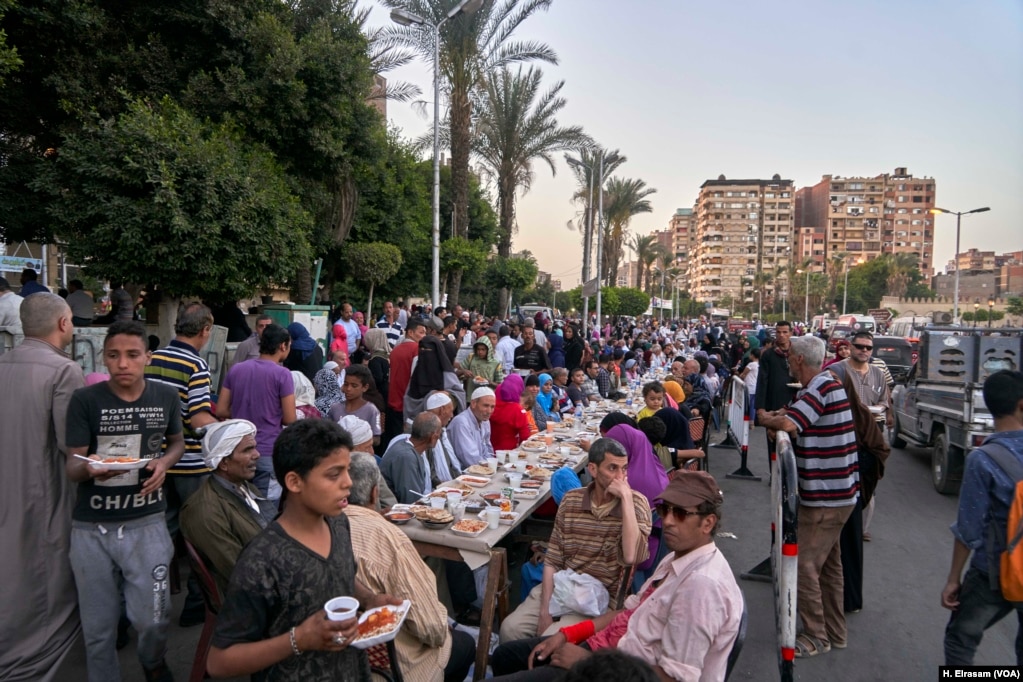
824	440
178	365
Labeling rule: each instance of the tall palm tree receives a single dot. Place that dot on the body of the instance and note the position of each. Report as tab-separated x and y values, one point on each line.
643	246
654	254
585	166
901	267
835	267
516	125
623	198
470	47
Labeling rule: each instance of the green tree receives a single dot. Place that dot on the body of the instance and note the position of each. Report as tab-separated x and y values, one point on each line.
644	246
585	166
470	47
1014	305
372	262
189	208
459	257
623	199
515	274
9	60
631	301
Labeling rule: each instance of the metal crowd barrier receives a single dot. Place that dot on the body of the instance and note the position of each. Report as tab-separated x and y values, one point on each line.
785	550
739	426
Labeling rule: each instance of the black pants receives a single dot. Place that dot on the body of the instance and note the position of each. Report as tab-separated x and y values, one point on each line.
463	655
511	662
851	542
394	425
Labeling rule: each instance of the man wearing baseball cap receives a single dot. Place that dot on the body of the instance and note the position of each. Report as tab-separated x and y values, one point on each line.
227	510
683	621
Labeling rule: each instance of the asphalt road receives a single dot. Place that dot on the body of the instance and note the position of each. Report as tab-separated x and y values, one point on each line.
897	636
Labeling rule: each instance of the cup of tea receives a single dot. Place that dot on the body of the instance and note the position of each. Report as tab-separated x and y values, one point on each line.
548	439
550	427
341	608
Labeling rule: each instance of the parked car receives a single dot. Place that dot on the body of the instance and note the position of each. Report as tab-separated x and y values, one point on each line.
897	353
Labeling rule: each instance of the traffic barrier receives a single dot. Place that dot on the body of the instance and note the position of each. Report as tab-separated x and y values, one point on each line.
785	550
738	427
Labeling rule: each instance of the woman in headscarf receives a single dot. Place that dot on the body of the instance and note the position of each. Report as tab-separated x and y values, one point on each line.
375	341
556	354
360	320
673	392
677	439
306	355
574	348
509	425
842	351
328	393
547	401
433	372
305	396
481	364
339	340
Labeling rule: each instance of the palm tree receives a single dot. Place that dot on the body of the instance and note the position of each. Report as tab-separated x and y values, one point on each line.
901	267
652	256
623	198
470	47
835	267
516	125
761	280
643	247
586	166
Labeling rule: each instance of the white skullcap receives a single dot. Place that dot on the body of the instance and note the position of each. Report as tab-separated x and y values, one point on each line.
482	392
331	365
222	438
438	399
358	428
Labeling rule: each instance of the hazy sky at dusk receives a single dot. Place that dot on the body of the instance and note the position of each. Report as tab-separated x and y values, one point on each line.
688	91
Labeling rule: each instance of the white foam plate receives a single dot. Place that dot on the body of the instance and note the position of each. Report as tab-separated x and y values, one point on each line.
387	636
116	466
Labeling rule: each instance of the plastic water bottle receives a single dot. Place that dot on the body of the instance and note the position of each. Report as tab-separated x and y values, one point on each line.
579	415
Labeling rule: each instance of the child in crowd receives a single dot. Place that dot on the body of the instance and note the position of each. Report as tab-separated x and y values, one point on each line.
653	396
357	382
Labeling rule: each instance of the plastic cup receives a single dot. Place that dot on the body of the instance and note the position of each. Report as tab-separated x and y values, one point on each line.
493	517
565	452
341	608
492	463
548	439
437	502
550	427
515	480
520	467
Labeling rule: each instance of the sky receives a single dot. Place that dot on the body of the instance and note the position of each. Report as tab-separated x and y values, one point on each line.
688	91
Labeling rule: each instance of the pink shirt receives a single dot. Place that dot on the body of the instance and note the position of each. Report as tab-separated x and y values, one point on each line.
689	623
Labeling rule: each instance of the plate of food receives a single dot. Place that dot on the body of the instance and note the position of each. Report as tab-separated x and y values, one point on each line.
399	517
507	518
540	474
117	463
380	625
474	481
479	470
452	486
469	528
434	519
534	446
481	381
531	484
525	493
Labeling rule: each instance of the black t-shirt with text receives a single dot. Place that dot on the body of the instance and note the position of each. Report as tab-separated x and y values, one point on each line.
112	427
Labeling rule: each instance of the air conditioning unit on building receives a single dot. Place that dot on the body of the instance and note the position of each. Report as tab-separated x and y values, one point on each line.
941	317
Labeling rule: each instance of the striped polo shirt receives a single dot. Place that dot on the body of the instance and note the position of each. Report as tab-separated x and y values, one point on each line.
825	448
179	365
588	538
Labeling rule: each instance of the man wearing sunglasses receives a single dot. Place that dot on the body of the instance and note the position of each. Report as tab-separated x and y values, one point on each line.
823	434
683	621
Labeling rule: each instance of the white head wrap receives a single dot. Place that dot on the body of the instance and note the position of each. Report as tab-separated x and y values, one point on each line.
359	429
222	438
482	392
330	364
438	399
305	394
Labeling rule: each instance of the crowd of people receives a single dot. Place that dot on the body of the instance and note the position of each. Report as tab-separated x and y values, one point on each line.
278	479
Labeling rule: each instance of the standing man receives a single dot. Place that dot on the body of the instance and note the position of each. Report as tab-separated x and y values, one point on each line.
389	323
249	348
531	355
351	327
179	366
30	284
119	539
470	431
987	492
505	349
40	630
401	371
824	440
10	305
81	304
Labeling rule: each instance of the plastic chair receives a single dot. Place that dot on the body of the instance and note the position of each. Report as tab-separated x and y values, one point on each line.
740	638
213	601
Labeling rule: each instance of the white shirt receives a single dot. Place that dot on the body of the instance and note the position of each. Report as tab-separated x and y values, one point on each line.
10	307
354	335
505	352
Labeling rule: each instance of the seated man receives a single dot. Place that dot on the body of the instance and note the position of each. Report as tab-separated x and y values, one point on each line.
389	563
406	464
683	621
607	513
273	622
227	511
362	441
470	431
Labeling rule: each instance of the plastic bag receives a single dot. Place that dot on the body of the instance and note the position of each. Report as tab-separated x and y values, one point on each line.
578	593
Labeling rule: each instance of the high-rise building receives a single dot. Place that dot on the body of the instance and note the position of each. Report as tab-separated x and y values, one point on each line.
742	227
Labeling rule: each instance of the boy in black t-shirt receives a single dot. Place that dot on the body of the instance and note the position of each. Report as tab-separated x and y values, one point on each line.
119	538
272	624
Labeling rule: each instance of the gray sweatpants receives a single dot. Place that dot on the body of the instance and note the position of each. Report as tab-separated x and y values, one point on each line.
102	555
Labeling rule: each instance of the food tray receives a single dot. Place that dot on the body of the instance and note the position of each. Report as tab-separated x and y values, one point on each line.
474	481
507	518
531	447
116	466
468	533
479	470
387	636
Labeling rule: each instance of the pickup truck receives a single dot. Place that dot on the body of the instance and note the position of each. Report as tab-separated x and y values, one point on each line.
941	405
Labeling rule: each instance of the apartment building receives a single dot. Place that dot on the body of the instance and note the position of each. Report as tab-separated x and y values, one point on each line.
682	226
742	227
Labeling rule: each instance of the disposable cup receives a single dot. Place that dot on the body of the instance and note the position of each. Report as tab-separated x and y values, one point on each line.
548	439
550	427
515	480
493	517
492	463
453	499
341	608
565	451
437	502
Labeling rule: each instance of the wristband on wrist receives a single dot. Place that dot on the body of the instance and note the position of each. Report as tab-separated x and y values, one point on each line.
579	632
294	645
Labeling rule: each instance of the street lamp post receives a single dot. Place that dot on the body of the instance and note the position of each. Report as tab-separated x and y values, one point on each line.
990	307
760	306
600	233
958	215
806	297
400	16
587	236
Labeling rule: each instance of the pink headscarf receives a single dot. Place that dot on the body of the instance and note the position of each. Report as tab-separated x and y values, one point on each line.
340	341
511	388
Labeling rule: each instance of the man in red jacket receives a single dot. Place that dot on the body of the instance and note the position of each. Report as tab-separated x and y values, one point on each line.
401	371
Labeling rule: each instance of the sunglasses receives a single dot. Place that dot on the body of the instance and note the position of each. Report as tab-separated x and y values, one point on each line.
860	346
663	510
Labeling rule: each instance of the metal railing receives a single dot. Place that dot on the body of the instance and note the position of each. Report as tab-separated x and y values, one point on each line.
738	426
785	550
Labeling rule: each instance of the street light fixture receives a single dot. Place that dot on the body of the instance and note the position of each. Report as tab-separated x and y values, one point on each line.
958	215
403	18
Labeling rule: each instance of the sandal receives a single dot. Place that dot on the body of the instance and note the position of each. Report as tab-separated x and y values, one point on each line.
808	647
